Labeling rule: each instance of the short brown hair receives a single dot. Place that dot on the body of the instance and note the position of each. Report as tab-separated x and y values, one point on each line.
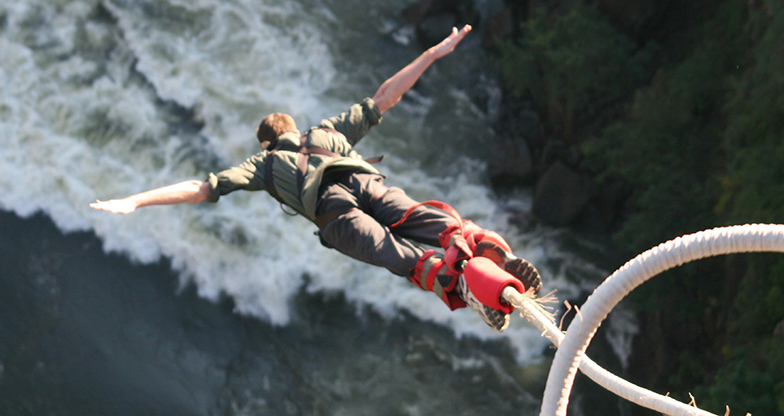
273	126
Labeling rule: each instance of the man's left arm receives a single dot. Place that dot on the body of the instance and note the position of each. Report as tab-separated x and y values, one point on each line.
392	90
356	122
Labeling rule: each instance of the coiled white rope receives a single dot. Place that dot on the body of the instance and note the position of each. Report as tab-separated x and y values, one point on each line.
602	377
571	351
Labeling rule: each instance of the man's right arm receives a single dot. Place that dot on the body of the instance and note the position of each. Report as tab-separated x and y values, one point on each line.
188	191
245	176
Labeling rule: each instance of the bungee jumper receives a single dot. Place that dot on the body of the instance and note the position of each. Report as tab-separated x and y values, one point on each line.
320	176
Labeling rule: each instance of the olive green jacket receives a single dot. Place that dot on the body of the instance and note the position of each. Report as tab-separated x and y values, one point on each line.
249	175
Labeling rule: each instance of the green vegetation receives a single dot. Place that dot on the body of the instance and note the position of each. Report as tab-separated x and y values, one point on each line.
697	140
578	67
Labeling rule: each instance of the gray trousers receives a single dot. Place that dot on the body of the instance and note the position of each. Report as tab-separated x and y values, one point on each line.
367	210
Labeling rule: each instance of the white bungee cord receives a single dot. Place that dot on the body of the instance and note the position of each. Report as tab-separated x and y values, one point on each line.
635	394
572	345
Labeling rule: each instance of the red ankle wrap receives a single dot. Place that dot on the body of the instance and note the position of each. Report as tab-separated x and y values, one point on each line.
487	281
430	274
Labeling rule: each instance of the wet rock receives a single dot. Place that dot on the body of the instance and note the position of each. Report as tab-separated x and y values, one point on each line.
519	120
648	362
607	201
530	125
778	332
510	164
557	150
494	99
434	20
416	12
561	194
435	28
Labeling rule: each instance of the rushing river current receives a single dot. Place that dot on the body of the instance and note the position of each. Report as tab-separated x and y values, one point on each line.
235	308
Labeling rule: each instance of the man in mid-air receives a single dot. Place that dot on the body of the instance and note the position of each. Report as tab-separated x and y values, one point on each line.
319	175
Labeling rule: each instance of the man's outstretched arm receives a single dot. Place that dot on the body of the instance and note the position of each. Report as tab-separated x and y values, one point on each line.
188	191
392	90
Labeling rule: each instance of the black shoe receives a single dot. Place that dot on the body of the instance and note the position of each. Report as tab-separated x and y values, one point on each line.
518	267
498	320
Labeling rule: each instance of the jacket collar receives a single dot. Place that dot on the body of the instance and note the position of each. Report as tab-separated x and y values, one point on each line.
290	138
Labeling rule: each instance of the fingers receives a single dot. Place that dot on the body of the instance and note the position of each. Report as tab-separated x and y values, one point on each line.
110	206
101	206
459	33
458	36
448	44
464	31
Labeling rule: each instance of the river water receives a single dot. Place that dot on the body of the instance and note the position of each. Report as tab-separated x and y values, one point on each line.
234	308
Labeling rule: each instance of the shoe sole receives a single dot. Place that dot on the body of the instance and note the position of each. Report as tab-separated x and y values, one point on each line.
526	273
518	267
496	319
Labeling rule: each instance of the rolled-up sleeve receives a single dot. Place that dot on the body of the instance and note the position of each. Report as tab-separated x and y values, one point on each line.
247	176
356	122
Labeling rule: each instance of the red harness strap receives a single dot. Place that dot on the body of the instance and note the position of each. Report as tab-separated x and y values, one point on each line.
429	274
459	241
435	204
454	242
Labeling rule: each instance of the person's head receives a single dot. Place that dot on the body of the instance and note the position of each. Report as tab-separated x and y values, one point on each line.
273	126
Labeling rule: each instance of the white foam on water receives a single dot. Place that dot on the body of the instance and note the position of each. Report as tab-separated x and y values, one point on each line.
85	115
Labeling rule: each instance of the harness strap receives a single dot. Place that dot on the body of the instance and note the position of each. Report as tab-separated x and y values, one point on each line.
435	204
431	273
302	165
268	182
302	170
453	239
302	162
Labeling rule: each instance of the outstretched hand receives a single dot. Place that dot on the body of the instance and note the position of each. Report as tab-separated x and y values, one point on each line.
448	45
117	206
392	90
